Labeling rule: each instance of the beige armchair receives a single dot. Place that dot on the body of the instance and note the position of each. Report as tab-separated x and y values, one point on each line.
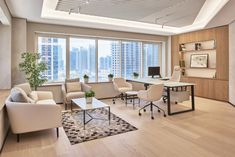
72	89
154	93
121	86
30	111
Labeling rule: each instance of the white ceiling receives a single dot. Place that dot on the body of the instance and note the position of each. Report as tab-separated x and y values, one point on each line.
168	12
176	16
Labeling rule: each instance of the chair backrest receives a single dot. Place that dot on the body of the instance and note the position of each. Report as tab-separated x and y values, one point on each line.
119	82
176	75
72	80
155	92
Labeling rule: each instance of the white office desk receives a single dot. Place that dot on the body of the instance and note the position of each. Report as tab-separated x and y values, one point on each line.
169	85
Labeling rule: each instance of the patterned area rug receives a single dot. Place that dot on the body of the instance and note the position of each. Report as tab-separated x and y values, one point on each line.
95	129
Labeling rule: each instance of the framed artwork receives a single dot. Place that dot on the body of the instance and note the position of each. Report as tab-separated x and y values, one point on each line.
199	61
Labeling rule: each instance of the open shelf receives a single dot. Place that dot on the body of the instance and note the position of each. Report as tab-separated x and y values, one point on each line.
197	50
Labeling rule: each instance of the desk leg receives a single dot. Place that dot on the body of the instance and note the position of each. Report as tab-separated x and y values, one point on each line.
192	97
168	101
84	119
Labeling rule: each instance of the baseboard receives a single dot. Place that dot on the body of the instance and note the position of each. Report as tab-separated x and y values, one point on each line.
4	141
231	104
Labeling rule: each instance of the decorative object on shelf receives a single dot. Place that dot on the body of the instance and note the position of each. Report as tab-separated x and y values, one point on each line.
89	95
182	47
33	69
86	78
199	61
198	46
136	75
182	66
110	76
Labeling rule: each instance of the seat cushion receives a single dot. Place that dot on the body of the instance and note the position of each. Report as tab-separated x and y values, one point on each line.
33	95
73	87
46	101
124	89
74	95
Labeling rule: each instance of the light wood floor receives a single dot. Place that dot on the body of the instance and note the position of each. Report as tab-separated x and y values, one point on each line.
207	132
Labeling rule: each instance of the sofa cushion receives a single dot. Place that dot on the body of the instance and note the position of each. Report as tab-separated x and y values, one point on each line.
25	87
46	101
33	95
19	95
74	95
73	87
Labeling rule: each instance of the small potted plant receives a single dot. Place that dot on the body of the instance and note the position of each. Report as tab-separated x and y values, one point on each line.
136	75
89	95
86	78
110	76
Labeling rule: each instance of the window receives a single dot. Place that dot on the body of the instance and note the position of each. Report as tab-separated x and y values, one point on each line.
95	57
83	58
108	59
150	57
131	58
53	53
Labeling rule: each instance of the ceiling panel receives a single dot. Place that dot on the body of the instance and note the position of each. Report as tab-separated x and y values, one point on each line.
164	12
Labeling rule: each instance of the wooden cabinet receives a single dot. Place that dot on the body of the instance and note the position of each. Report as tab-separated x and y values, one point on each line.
209	88
213	88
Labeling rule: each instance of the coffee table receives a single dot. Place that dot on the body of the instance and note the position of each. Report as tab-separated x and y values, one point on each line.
85	107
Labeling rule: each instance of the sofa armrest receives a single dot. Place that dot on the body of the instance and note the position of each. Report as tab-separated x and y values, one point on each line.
27	117
42	95
85	87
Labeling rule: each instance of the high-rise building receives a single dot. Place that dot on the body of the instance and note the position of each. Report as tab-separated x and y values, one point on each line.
50	54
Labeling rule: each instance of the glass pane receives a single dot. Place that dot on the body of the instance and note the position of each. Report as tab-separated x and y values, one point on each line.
82	58
53	52
131	58
108	59
151	57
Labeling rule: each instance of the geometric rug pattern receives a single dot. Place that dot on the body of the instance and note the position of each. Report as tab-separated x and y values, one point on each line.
72	123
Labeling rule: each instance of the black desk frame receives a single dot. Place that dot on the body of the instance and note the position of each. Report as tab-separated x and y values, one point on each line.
168	89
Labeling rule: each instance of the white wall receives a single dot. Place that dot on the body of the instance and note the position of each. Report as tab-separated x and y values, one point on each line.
19	33
232	63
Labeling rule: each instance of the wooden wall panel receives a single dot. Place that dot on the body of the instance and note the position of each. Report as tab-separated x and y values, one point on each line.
209	88
222	60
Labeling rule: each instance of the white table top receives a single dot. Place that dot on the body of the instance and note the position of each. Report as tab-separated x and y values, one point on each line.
159	81
81	102
131	92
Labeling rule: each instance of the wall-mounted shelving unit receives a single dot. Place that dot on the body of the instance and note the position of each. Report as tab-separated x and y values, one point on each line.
207	47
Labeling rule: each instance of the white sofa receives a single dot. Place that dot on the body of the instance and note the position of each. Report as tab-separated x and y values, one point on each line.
39	112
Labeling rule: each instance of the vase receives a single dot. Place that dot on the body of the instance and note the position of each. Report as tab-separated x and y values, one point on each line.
86	80
110	79
89	100
136	77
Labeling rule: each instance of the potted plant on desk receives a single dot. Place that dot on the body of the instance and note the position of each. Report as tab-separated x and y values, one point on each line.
110	76
89	95
136	75
86	78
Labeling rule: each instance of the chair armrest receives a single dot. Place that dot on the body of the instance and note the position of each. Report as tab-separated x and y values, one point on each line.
42	95
85	87
129	85
27	117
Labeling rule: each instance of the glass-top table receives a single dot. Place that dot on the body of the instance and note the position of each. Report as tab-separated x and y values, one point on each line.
84	107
